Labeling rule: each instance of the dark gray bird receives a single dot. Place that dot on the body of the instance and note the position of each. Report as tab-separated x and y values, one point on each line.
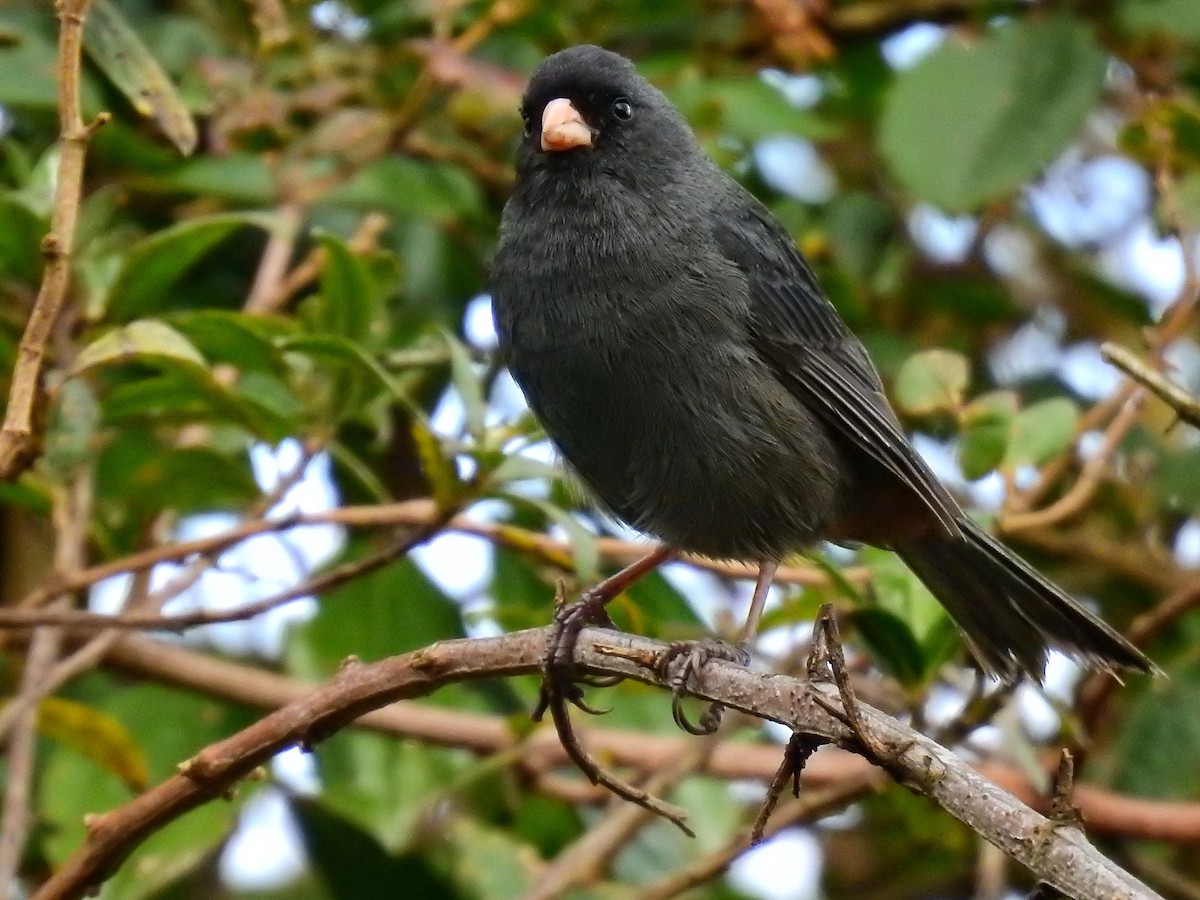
680	353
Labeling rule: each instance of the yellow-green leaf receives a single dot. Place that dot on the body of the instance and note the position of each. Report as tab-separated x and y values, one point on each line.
115	48
439	469
143	340
932	381
95	735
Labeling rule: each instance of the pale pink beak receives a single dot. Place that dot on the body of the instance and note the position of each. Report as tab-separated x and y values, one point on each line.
563	127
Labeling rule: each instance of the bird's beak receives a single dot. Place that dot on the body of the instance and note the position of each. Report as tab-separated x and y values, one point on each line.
563	127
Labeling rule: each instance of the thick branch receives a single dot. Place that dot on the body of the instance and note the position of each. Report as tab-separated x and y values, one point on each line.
1058	856
140	657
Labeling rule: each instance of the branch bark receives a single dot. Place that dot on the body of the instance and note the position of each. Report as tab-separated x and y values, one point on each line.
409	513
139	657
18	436
1059	856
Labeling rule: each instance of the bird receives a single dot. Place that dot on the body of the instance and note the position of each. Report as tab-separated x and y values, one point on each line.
681	355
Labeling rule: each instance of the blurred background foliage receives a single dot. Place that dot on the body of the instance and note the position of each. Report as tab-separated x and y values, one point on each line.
283	242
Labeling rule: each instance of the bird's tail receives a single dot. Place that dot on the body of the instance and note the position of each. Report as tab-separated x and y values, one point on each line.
1010	614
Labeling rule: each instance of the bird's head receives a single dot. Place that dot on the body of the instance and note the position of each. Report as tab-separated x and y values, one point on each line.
588	111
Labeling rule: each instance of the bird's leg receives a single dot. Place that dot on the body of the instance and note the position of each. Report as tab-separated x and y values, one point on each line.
758	600
572	618
695	654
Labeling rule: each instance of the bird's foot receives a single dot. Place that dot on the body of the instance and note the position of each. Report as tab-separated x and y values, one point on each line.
680	662
561	683
559	677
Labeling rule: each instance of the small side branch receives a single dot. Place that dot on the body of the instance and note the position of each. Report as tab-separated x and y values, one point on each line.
1186	406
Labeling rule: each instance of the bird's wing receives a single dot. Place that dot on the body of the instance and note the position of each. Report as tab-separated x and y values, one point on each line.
813	353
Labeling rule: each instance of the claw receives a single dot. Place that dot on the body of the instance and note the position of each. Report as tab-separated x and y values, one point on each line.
676	668
710	719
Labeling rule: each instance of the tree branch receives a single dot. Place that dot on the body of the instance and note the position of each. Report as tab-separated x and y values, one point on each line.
410	513
734	760
18	436
1060	857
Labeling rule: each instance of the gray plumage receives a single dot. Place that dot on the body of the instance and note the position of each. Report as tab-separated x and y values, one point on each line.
681	355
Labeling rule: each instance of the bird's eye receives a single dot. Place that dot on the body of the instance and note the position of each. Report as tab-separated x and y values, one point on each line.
622	109
528	123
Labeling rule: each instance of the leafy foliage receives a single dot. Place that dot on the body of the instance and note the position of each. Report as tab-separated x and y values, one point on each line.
283	241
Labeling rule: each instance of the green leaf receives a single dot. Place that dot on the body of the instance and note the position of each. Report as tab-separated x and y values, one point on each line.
143	341
349	301
860	226
141	475
391	610
168	726
892	642
410	188
155	264
986	424
973	122
487	862
1174	480
352	863
1160	741
244	341
28	66
1175	18
437	466
585	551
238	177
116	49
932	381
257	402
467	382
20	241
1042	431
1187	200
36	193
745	108
899	592
353	376
74	420
385	786
270	405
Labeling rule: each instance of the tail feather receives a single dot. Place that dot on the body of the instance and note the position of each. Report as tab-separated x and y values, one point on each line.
1010	614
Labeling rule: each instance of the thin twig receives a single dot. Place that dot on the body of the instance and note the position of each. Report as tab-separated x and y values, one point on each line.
275	258
19	434
70	514
806	808
1186	406
1142	632
1075	500
410	513
800	748
1129	397
278	295
138	598
588	856
43	650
